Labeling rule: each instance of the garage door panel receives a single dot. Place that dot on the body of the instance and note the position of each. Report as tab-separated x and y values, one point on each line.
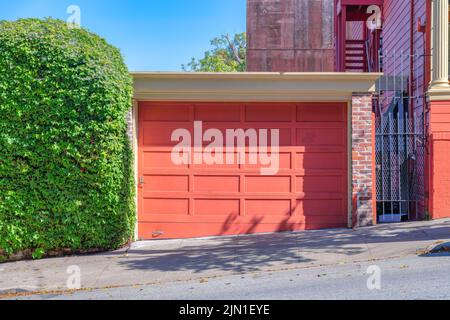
172	183
160	160
159	136
267	112
222	112
200	199
265	207
321	160
217	184
190	230
320	125
253	161
225	220
320	207
243	136
323	112
284	136
267	184
321	137
319	184
330	221
220	163
166	206
224	207
319	196
186	230
165	112
312	225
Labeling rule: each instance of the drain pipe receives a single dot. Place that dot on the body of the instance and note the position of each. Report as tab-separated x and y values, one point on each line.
427	68
425	29
411	61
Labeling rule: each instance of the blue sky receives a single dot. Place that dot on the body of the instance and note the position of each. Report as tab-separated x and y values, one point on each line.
153	35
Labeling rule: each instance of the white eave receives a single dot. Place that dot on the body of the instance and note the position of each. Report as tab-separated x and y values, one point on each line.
251	86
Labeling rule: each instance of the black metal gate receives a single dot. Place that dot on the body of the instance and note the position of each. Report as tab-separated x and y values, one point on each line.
400	143
400	166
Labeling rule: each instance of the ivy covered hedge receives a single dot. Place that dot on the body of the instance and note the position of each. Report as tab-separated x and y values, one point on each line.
66	180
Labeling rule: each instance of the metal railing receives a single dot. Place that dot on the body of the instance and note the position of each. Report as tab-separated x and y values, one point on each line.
400	138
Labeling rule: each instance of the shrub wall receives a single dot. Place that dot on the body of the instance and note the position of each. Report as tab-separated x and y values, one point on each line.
66	178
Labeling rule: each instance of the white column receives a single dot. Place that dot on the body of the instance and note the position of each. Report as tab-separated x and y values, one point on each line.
439	78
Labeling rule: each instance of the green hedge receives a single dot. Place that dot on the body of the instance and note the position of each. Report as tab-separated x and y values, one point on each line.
66	178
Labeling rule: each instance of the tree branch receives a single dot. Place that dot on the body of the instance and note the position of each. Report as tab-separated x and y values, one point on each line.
233	48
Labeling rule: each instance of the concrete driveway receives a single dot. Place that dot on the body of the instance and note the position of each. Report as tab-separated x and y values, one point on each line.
176	261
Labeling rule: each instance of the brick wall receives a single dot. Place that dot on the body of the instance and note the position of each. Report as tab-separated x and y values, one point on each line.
362	161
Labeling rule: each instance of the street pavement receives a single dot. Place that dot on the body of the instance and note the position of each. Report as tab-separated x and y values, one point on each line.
412	278
318	264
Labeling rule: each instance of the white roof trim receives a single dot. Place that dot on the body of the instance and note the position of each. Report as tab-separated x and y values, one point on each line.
250	86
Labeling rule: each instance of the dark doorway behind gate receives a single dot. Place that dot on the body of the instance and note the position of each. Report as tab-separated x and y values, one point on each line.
400	140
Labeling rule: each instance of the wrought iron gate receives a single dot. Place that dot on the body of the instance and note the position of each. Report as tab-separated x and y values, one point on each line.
400	164
400	140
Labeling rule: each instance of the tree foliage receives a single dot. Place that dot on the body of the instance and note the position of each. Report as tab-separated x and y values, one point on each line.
228	55
66	179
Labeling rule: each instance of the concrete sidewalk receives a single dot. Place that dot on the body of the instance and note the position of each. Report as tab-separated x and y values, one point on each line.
161	262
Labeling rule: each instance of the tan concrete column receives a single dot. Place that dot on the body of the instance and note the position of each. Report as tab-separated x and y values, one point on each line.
439	78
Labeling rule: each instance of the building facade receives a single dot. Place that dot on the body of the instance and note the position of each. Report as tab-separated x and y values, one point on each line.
358	94
408	42
290	36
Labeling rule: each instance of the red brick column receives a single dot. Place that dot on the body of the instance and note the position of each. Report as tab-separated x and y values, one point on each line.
439	160
363	159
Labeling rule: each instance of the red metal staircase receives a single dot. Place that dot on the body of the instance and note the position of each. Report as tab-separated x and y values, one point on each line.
356	45
355	56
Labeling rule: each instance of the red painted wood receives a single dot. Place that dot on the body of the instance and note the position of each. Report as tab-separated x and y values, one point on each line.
361	2
309	191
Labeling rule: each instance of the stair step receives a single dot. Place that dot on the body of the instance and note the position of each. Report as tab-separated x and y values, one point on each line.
355	41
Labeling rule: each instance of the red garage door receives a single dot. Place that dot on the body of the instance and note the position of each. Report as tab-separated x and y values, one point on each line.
180	200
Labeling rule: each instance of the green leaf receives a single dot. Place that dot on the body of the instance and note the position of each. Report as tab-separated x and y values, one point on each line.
228	55
66	166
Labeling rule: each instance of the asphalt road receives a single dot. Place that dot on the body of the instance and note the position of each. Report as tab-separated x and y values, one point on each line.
406	278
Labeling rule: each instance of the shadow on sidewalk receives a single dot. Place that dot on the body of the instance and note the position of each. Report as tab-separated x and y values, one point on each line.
251	253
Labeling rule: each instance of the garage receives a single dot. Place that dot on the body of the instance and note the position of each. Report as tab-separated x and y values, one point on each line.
318	173
192	200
